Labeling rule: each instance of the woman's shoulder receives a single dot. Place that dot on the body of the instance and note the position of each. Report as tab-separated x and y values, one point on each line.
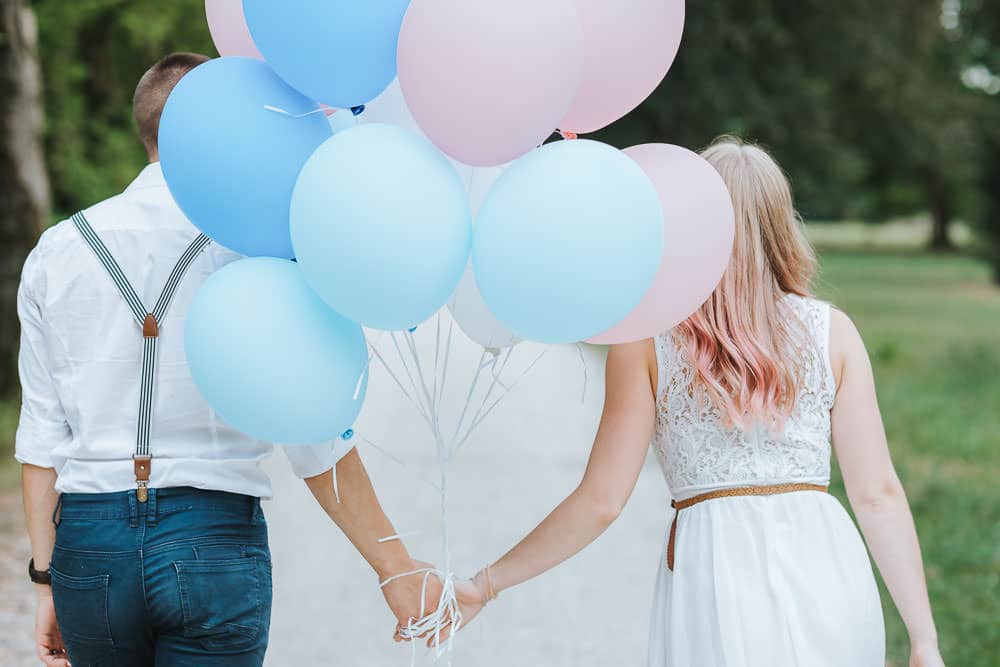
846	344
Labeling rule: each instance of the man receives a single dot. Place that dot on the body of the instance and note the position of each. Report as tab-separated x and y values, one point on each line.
156	552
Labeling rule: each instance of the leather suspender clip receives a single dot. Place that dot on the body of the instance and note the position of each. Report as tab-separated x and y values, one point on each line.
143	466
150	329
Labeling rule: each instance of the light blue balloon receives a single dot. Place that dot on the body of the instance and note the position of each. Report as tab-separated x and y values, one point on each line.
381	226
568	241
231	163
271	358
340	52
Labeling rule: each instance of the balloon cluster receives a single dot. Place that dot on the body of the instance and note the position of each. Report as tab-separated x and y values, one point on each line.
442	192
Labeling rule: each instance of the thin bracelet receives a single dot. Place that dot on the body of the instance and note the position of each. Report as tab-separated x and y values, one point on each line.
491	592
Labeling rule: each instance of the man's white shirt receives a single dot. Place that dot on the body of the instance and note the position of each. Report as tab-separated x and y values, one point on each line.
81	353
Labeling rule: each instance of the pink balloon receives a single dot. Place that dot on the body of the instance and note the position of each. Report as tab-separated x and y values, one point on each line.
630	46
229	29
490	80
700	227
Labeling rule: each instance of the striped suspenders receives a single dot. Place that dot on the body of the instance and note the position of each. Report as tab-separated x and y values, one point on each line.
149	321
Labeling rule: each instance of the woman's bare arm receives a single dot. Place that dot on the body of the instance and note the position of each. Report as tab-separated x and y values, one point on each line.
874	490
615	462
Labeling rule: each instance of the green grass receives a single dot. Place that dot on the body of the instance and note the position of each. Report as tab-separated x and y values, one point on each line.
932	326
9	472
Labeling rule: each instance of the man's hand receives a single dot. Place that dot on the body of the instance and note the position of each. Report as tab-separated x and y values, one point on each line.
51	650
409	598
471	600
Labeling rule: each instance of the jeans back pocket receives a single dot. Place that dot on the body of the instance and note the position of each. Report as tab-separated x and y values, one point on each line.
225	603
82	613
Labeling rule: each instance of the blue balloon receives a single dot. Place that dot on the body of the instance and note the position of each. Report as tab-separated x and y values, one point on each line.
381	226
272	359
568	241
340	52
231	163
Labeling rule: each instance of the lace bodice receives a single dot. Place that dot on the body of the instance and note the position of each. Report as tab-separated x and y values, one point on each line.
698	452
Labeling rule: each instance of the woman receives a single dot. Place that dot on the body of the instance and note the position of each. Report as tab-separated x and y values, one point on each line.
762	567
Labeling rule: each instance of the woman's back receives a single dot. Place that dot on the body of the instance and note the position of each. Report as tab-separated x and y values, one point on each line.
700	452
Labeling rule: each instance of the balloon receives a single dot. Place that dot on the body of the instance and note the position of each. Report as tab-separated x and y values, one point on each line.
699	226
474	318
229	29
630	46
390	108
271	358
231	163
381	226
341	52
490	80
467	307
568	241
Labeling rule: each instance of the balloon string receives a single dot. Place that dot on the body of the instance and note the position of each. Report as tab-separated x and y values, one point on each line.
437	357
279	110
468	398
489	391
399	383
479	420
402	464
586	373
447	357
425	391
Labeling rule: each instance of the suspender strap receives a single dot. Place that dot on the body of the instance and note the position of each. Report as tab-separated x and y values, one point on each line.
150	322
111	266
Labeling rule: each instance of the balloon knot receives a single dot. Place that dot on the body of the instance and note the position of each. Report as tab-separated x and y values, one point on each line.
358	110
348	434
569	136
411	330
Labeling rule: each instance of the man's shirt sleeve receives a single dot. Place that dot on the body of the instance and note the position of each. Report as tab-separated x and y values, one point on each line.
42	425
312	460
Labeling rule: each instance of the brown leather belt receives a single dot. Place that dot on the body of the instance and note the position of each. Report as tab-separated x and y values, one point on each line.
772	490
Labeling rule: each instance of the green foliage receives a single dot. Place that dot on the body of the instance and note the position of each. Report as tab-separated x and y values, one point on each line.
93	53
931	323
861	102
981	28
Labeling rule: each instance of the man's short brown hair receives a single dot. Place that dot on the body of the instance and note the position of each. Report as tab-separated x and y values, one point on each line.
152	92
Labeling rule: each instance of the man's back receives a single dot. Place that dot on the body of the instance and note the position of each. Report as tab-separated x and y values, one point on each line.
81	392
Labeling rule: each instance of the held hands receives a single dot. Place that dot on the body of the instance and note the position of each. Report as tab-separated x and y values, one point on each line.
403	594
411	597
48	641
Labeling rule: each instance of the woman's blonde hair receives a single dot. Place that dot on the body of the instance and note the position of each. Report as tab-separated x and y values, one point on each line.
746	350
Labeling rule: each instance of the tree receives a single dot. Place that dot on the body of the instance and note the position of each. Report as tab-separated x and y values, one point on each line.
860	101
93	54
23	180
980	26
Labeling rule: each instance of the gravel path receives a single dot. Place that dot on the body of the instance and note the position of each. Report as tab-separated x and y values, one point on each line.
523	460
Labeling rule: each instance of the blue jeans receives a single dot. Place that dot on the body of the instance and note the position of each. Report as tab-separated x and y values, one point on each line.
181	580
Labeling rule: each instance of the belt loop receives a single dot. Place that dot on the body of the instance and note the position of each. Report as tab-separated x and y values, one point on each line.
151	509
57	512
254	506
133	510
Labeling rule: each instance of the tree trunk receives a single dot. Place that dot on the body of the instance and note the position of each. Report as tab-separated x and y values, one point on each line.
24	182
940	196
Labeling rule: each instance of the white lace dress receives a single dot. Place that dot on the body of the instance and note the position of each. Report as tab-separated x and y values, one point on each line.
770	581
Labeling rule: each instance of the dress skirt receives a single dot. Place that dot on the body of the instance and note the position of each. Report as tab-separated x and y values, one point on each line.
768	581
